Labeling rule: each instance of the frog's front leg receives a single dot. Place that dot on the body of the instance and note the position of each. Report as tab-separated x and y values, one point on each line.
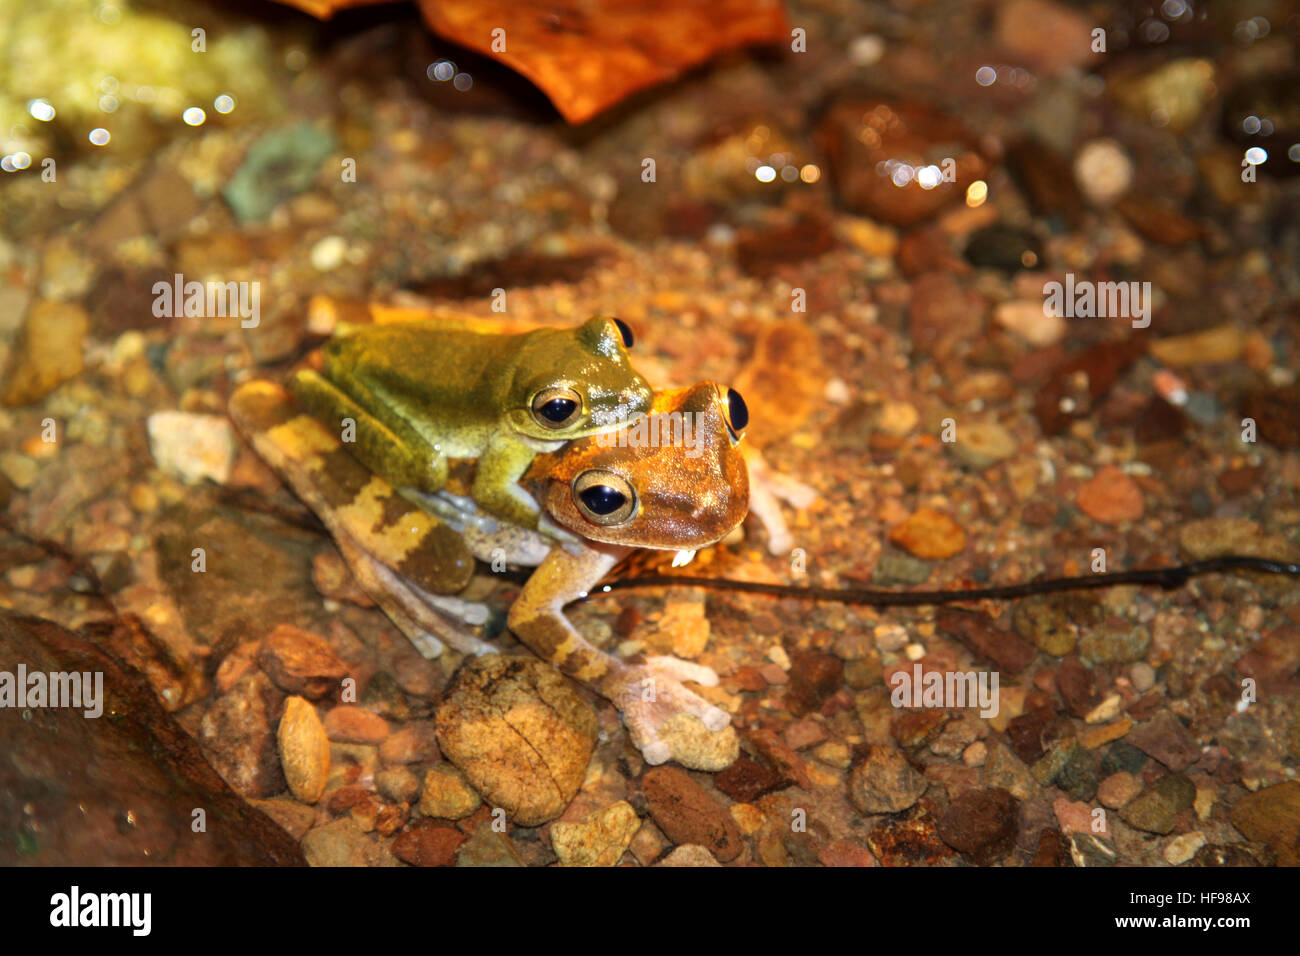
404	460
496	480
664	719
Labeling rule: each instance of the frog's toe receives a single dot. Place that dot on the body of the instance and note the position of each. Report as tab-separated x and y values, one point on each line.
666	721
678	669
656	753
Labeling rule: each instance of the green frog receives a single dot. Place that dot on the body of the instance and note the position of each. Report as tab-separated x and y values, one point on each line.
612	496
408	397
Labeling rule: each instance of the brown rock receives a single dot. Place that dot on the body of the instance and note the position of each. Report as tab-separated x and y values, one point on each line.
982	824
446	794
520	733
688	815
348	724
1166	739
301	662
813	678
414	743
428	844
885	782
929	534
746	780
1111	497
48	354
1272	816
139	759
858	135
1074	682
237	737
1276	412
1007	650
942	313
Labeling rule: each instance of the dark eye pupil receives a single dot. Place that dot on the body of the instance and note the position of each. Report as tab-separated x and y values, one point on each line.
739	410
625	331
602	499
559	409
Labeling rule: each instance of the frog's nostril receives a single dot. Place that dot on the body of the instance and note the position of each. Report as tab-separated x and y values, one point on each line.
624	330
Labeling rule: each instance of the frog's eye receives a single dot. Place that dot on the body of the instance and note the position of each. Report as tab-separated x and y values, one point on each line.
737	414
557	407
604	498
624	330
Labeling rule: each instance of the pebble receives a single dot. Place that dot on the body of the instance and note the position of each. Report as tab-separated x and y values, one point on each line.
1123	756
687	814
1217	346
897	418
520	733
1072	816
1154	809
1164	738
1010	652
1028	319
191	446
301	662
1183	847
689	855
327	254
600	839
975	755
1004	248
1111	497
929	534
982	444
1143	676
885	782
1214	537
746	780
238	740
279	165
487	847
813	678
1049	36
1117	643
398	784
349	724
413	743
343	843
447	794
1272	816
858	134
428	844
1276	412
20	469
304	750
804	733
1004	769
48	353
1118	789
1103	171
894	569
982	824
1107	710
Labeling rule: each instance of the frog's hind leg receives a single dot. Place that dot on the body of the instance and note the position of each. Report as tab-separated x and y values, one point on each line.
405	460
423	617
665	719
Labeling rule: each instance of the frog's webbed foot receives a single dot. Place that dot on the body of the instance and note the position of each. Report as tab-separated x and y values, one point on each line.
666	720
